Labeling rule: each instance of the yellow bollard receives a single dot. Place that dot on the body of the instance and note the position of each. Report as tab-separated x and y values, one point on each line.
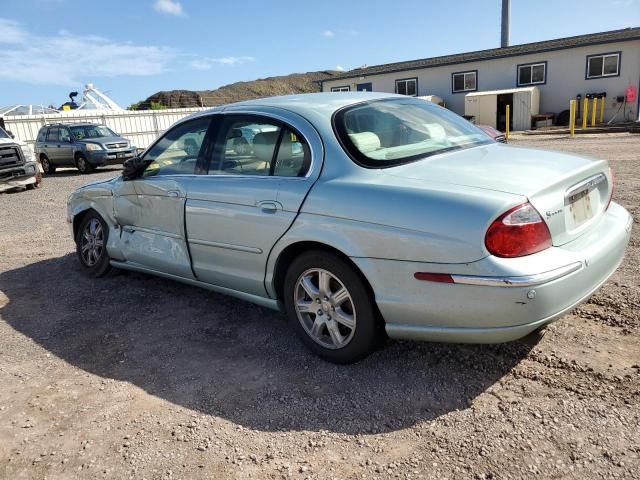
507	112
602	109
585	112
572	118
594	107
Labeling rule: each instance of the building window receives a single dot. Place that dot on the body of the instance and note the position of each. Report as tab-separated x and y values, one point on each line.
464	81
604	65
532	74
407	86
345	88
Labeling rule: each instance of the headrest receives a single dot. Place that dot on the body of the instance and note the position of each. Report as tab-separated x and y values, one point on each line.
264	144
365	141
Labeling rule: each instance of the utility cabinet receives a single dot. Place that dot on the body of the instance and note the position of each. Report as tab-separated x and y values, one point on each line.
489	108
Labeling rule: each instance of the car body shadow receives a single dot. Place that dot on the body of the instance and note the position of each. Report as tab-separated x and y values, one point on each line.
227	358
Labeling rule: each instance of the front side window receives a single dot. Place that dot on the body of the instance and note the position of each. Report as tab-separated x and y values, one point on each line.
177	152
53	135
407	86
532	74
345	88
606	65
257	146
464	81
64	135
383	133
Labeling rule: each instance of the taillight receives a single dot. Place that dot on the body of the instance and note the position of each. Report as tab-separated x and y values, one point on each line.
518	232
613	187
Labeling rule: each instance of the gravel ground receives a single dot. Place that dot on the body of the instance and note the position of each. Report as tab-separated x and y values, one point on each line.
138	377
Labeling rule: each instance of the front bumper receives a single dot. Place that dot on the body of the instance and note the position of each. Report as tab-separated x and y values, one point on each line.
497	300
19	176
98	158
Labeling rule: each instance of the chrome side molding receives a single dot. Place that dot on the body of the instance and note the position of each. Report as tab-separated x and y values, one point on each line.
525	281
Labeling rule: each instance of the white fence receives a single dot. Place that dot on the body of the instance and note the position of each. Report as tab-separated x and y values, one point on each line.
141	127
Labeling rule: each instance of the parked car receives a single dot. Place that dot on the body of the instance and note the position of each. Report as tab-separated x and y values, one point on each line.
18	167
85	146
395	216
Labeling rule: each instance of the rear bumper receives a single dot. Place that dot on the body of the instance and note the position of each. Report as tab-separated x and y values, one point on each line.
497	300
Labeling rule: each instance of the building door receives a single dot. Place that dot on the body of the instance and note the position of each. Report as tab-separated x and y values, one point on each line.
364	87
501	121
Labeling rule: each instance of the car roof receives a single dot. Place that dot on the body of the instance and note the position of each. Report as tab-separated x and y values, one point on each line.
75	124
325	102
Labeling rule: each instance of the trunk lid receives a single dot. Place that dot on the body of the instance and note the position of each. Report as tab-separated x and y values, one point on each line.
570	192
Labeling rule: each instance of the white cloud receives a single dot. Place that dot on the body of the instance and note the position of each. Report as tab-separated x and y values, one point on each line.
70	60
169	6
328	34
206	63
67	59
11	32
340	68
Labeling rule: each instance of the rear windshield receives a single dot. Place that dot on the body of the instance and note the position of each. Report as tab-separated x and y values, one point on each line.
91	131
394	131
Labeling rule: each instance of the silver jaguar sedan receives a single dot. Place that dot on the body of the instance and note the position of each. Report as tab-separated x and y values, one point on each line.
360	215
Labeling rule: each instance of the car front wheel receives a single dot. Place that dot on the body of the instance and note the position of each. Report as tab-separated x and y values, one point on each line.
330	307
47	167
91	245
83	165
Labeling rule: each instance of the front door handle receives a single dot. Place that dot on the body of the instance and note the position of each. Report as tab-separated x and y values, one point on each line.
173	193
268	206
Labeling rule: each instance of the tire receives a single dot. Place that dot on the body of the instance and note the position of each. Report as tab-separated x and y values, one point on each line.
91	245
345	328
31	186
83	165
47	167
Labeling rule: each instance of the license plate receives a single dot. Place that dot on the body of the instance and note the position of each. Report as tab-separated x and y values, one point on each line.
580	209
121	155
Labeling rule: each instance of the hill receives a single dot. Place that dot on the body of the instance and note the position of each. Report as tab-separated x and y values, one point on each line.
236	92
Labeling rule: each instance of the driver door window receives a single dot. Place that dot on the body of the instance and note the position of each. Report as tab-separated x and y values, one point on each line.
178	151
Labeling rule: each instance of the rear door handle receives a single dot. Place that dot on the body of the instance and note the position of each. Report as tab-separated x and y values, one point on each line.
268	206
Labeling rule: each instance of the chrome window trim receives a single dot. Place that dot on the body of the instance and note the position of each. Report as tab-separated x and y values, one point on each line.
523	281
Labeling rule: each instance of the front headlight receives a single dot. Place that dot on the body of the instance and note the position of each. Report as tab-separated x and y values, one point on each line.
92	147
27	153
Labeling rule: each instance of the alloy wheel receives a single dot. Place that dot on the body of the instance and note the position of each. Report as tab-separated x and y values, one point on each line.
92	243
325	308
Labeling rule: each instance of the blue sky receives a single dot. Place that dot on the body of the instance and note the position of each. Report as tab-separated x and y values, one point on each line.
134	48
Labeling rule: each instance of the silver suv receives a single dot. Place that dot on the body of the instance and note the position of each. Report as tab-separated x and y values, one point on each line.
18	167
85	146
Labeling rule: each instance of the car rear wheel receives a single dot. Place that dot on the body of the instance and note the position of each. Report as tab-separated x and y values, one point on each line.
83	165
331	308
91	245
47	167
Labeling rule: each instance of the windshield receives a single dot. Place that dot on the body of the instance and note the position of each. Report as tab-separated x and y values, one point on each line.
3	134
91	131
392	132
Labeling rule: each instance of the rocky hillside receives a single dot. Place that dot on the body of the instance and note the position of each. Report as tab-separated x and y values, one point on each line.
235	92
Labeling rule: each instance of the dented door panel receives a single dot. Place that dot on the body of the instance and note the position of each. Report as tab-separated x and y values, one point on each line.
150	212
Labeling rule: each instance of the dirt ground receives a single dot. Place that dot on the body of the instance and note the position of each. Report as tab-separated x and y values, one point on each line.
138	377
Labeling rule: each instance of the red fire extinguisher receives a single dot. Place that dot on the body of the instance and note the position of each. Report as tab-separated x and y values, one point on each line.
630	93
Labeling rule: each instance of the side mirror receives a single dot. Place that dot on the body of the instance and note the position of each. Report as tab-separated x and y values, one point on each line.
133	168
10	133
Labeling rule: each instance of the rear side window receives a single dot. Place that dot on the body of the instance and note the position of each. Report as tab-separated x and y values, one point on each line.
54	134
42	135
259	146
